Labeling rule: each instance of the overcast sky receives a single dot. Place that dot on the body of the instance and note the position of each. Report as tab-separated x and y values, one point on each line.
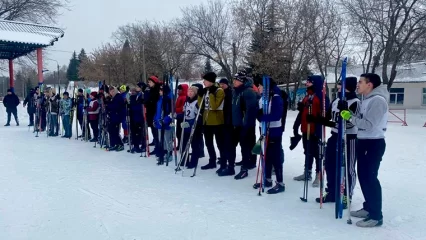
91	22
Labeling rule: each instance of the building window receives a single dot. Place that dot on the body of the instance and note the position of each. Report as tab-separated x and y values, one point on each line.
396	96
424	96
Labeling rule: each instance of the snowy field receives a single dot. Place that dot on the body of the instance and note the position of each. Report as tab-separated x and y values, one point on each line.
54	188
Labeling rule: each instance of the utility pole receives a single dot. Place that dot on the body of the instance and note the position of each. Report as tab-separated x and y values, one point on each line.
144	65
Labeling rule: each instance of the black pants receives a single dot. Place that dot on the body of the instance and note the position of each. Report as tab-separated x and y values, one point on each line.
154	133
247	140
178	131
330	163
274	158
311	152
136	134
31	118
370	153
114	134
217	132
15	115
94	124
83	129
195	145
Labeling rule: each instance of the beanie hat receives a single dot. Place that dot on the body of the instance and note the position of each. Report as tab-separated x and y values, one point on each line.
142	85
122	88
9	90
80	90
194	89
210	76
66	94
94	94
224	81
350	83
154	79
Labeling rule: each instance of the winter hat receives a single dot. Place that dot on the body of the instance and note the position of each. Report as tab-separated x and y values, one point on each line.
194	89
9	90
142	85
350	83
198	85
94	94
224	81
122	88
210	76
66	94
80	90
241	76
154	79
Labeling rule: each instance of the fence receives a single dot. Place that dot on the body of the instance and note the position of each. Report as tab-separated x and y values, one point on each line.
398	116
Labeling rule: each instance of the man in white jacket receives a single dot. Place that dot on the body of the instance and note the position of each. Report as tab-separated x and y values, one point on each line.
371	121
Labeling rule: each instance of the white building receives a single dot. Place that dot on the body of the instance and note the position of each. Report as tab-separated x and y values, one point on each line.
408	89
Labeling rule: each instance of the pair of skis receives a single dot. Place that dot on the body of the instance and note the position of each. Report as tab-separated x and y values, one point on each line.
341	158
263	140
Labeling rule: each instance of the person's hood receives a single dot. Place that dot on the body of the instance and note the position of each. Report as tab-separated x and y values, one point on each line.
381	90
317	82
184	91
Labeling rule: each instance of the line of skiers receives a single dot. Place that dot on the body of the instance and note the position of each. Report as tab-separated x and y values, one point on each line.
228	114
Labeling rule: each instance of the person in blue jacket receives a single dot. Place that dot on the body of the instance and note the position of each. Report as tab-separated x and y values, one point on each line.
162	120
274	150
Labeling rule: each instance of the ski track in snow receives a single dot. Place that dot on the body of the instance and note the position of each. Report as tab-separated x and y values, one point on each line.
64	189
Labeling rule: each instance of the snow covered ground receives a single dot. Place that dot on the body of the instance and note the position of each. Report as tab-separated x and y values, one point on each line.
64	189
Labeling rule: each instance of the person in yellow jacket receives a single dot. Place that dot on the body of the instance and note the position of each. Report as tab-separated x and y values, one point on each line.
213	120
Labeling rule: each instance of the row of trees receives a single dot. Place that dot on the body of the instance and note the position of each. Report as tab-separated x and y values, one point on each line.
285	39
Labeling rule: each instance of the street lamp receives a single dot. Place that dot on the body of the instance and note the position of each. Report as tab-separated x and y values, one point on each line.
59	80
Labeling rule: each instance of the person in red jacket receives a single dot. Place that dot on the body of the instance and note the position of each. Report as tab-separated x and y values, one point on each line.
310	105
93	111
180	103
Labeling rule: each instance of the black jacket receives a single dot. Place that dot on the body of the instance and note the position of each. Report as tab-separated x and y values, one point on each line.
11	102
227	107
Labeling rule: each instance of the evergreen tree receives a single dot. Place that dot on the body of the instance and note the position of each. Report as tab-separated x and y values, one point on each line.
126	60
208	66
82	56
72	71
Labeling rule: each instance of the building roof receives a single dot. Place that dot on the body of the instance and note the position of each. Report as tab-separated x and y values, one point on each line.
406	73
19	38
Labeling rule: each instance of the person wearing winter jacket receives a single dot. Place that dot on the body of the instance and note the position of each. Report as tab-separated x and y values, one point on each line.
137	121
180	103
191	110
162	120
212	118
274	149
331	120
244	111
11	102
93	115
371	121
310	105
66	105
31	109
115	110
124	92
54	112
227	115
150	100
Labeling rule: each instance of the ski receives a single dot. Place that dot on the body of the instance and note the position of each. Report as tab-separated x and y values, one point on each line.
340	166
323	143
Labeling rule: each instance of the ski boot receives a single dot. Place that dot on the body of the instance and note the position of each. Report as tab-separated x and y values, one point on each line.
209	166
302	177
268	184
243	174
279	187
316	182
326	198
229	171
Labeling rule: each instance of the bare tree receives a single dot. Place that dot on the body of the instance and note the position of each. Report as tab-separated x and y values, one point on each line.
394	28
207	29
36	11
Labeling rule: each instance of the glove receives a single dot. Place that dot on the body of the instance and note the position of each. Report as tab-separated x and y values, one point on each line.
300	106
346	115
167	120
310	118
184	125
342	105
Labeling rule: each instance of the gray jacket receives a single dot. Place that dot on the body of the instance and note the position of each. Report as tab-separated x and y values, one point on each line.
372	116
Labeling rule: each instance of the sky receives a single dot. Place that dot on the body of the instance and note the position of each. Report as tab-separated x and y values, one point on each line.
89	23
